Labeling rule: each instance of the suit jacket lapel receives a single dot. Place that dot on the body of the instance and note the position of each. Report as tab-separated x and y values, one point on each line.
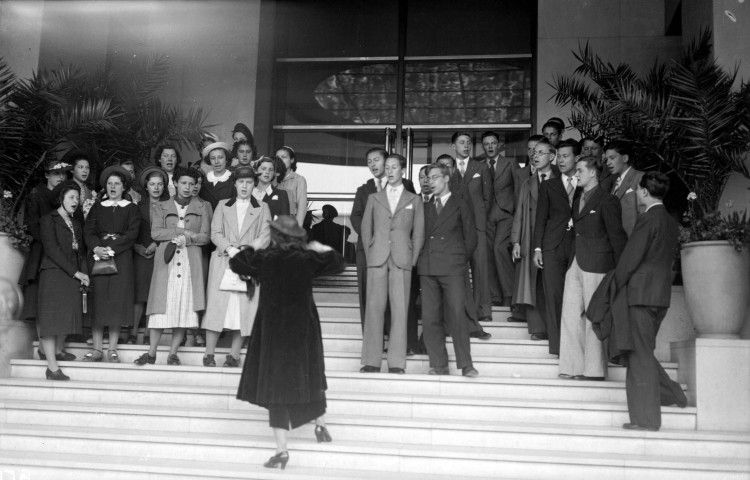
403	201
381	197
501	165
590	205
448	208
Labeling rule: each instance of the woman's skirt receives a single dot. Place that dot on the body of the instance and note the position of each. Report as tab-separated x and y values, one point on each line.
144	270
59	306
179	312
295	415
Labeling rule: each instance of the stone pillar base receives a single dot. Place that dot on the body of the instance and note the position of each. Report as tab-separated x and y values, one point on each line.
717	372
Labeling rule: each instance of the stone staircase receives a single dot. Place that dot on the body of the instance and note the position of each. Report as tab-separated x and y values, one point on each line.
517	420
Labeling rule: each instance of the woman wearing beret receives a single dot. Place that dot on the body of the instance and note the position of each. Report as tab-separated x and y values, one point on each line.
276	199
110	231
284	368
62	273
293	183
239	222
181	225
217	185
153	181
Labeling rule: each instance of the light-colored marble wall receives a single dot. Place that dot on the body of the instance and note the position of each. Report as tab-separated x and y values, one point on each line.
211	46
630	31
20	35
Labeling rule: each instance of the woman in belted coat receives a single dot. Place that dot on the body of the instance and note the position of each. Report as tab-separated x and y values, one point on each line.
112	226
181	225
239	222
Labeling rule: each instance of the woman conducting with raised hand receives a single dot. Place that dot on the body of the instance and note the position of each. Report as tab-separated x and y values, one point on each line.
181	225
62	274
110	232
294	184
239	222
153	181
284	368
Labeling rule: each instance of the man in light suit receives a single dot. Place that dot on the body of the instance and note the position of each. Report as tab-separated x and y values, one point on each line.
392	235
376	164
476	187
553	232
645	269
599	241
624	180
503	174
450	239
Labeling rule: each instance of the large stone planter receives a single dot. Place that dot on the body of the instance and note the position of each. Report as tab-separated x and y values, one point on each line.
16	336
717	287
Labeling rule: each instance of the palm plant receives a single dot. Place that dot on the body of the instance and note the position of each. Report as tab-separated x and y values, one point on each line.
685	117
114	114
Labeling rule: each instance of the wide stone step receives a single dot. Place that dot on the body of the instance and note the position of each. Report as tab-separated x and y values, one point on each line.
347	306
507	367
381	404
198	382
354	427
353	326
33	465
462	461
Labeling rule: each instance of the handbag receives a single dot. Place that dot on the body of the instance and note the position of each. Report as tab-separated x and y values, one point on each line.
104	267
231	282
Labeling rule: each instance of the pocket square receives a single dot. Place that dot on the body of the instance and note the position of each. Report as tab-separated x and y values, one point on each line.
409	207
476	175
629	190
592	211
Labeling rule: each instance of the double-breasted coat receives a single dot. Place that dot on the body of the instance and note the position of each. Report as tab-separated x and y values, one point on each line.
197	233
115	225
225	233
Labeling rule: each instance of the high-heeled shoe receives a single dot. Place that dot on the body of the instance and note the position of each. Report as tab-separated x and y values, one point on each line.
321	433
278	461
56	375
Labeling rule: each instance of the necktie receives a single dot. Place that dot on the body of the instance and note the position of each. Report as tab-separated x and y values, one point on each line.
438	205
580	204
617	184
392	198
492	167
461	167
543	177
426	198
570	190
378	185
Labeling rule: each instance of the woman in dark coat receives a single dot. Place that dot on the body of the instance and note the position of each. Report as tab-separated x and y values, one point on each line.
111	229
61	274
153	181
284	368
40	202
218	185
277	200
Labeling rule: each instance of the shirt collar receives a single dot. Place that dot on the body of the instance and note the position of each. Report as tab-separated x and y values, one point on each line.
445	197
653	205
566	177
398	188
622	175
211	177
110	203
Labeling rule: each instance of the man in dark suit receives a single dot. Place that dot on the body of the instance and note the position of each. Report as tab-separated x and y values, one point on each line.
476	187
376	163
645	269
392	235
599	241
450	239
456	185
504	175
528	296
553	233
624	180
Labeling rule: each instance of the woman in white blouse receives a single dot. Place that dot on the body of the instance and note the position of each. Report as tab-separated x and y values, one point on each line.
218	185
238	222
294	184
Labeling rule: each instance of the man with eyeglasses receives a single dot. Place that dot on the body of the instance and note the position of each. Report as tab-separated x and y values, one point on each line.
528	297
553	234
450	239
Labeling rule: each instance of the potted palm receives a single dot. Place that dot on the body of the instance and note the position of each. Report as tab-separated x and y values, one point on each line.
687	119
